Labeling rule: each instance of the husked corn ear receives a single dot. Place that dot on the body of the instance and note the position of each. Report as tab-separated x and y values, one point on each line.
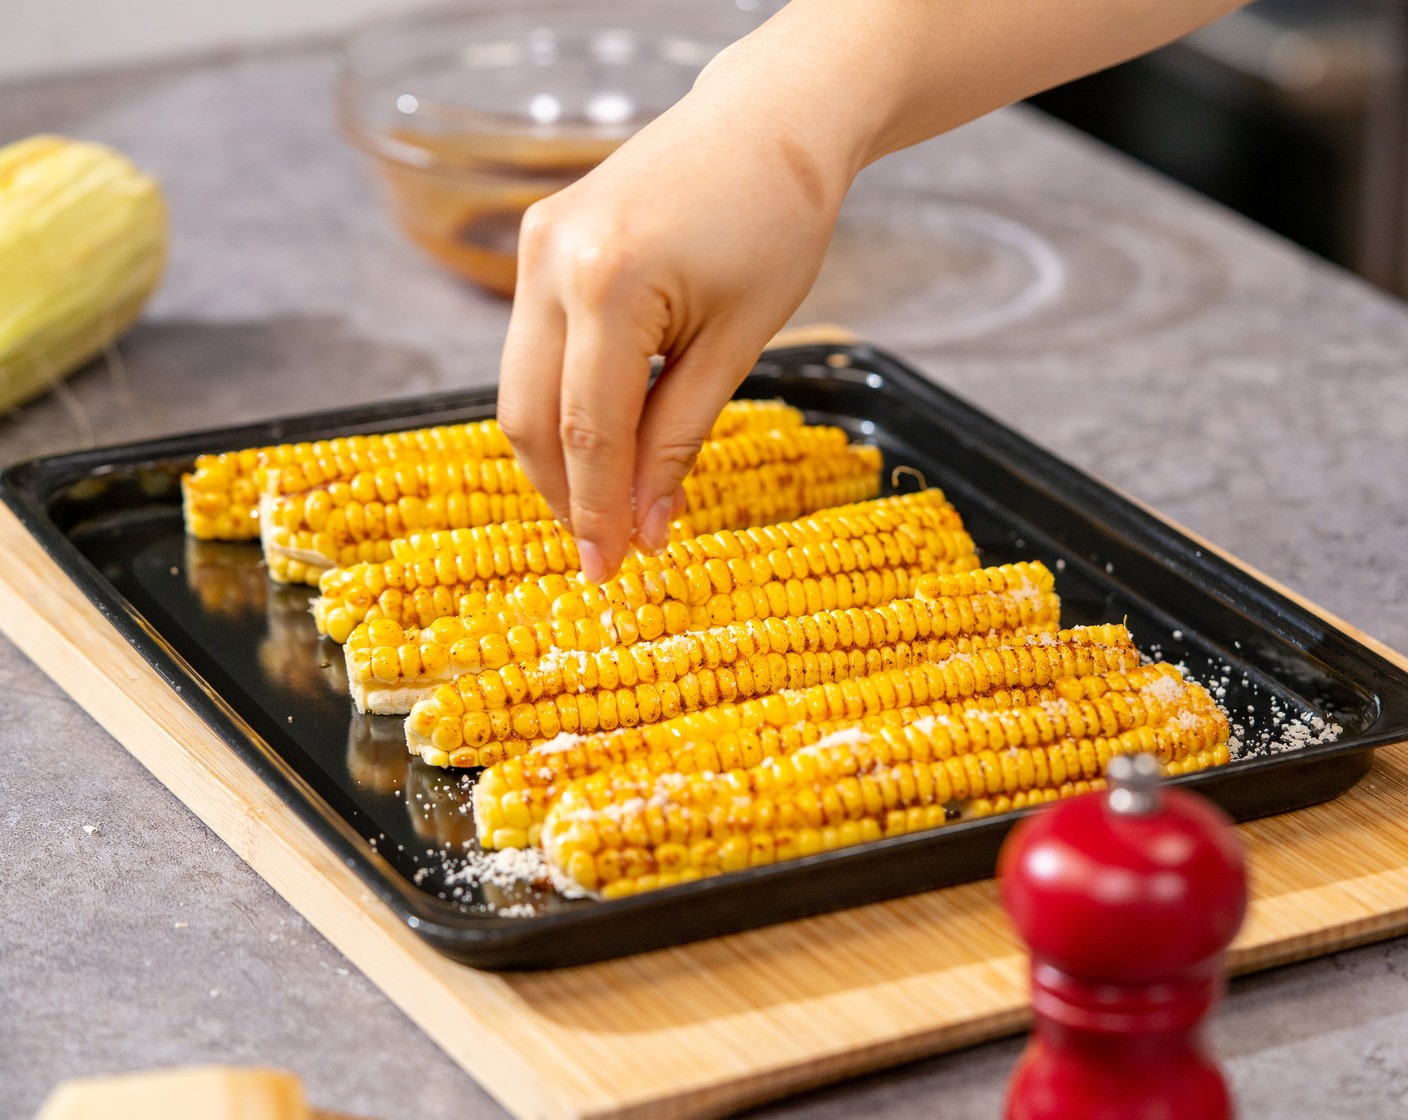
390	668
425	582
436	574
1017	673
664	595
221	493
315	529
742	416
385	673
781	491
613	836
798	470
492	714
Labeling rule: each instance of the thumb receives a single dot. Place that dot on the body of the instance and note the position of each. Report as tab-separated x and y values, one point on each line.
679	414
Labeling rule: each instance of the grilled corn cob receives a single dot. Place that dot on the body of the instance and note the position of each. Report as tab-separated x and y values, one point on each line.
742	480
512	797
436	574
497	713
613	836
221	494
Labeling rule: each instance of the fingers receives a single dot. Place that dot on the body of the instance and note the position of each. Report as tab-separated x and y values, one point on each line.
677	417
604	378
530	378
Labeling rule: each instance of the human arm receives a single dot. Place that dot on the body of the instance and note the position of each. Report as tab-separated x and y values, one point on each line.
703	233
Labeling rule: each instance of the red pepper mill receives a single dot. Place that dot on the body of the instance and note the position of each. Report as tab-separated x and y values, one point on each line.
1127	899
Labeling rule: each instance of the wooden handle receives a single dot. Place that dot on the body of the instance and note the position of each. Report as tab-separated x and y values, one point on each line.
814	334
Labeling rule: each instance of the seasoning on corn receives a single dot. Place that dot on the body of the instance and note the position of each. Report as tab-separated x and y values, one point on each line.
449	572
221	494
746	479
507	707
436	574
512	797
613	835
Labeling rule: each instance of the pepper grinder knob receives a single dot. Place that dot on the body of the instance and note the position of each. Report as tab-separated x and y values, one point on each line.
1127	899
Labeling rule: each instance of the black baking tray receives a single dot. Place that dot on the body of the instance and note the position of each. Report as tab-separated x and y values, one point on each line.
243	654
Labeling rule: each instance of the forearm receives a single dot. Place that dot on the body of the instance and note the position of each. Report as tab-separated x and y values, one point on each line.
862	78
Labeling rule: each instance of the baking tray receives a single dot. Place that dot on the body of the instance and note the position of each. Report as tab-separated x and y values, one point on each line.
243	654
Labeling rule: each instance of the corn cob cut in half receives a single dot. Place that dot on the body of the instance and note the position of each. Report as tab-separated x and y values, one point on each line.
761	415
664	595
390	669
430	572
436	574
512	797
497	713
743	480
611	836
645	605
221	494
354	521
448	572
782	491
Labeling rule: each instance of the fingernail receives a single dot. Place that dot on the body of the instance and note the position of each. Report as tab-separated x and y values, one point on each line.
654	532
593	565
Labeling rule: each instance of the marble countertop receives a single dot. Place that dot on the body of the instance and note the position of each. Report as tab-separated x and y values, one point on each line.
1249	392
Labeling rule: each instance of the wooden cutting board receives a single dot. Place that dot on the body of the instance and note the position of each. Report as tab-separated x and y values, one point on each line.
708	1028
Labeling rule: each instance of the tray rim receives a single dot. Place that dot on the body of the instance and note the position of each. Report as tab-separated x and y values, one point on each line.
480	939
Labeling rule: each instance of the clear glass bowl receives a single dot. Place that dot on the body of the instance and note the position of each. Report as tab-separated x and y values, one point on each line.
470	116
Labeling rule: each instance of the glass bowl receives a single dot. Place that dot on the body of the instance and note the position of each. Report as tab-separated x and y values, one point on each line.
471	115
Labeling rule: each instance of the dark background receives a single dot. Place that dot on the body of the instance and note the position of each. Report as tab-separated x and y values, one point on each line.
1289	111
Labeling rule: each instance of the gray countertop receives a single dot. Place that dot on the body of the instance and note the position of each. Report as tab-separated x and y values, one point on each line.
1252	394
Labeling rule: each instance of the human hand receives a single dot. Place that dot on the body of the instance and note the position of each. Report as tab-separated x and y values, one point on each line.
695	241
700	236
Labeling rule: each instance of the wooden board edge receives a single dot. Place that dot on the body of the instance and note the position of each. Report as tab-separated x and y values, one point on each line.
813	334
108	678
289	856
91	661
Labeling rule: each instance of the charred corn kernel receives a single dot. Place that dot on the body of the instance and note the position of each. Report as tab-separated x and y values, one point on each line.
731	661
82	247
896	779
1096	660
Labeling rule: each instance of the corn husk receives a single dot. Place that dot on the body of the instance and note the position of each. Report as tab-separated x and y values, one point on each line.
82	246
